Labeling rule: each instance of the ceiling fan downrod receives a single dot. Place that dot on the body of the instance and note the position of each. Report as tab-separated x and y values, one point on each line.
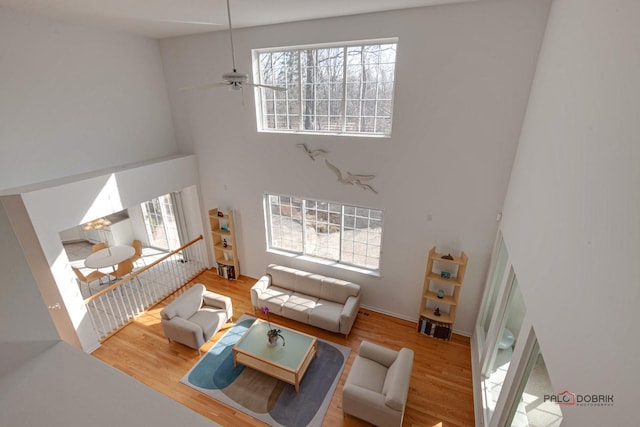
233	55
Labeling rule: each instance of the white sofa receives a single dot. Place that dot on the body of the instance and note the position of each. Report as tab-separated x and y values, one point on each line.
321	301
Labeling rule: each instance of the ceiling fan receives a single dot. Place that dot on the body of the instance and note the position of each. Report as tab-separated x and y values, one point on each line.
234	80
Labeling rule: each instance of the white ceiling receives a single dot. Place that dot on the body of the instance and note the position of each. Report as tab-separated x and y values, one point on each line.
168	18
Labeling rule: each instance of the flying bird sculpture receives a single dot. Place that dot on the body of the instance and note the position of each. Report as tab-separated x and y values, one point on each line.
312	154
352	179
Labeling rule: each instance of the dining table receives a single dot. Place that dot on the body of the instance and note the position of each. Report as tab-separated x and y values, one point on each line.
109	257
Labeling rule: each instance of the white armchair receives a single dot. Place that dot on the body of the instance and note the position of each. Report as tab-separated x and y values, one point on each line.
195	316
377	386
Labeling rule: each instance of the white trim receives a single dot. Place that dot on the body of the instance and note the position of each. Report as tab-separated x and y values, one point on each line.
384	40
525	344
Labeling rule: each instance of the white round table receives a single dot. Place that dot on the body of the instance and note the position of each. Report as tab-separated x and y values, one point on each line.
109	256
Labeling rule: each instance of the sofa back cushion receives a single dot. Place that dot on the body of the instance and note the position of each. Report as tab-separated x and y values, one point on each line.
186	305
314	285
337	290
308	283
283	277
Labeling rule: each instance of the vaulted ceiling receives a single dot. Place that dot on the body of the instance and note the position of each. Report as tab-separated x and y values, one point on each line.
168	18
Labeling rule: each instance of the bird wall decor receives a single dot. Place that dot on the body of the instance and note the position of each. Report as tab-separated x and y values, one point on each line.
349	178
312	153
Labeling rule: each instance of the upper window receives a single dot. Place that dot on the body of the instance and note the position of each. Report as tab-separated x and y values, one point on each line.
332	231
331	89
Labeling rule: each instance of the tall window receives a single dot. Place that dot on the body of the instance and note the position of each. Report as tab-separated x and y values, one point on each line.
336	89
331	231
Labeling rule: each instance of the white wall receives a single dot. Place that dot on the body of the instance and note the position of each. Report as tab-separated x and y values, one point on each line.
463	77
74	99
18	290
572	213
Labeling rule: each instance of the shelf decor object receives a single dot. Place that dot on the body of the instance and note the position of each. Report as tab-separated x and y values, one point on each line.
225	249
440	293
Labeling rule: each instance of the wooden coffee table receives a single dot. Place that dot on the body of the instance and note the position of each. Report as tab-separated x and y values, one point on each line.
287	363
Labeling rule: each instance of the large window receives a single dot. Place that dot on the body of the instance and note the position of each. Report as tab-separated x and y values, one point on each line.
348	235
336	89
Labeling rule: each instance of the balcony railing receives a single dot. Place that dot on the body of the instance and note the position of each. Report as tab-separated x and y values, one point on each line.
114	307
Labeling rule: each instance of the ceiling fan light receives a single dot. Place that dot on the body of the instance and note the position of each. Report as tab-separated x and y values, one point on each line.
235	77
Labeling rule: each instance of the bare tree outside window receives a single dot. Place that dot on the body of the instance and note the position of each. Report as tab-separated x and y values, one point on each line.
343	89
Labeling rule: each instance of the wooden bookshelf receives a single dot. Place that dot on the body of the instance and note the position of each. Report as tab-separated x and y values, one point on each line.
225	248
447	276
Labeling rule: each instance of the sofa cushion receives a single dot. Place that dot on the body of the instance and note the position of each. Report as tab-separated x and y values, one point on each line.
308	284
337	290
367	374
299	306
274	297
326	315
284	277
209	320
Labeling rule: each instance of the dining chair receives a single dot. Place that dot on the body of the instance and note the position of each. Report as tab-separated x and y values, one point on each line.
98	246
137	245
92	277
123	268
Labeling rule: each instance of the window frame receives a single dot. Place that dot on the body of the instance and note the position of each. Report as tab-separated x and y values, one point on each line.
260	101
304	253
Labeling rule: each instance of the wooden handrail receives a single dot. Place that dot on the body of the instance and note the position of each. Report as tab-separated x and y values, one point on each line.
142	270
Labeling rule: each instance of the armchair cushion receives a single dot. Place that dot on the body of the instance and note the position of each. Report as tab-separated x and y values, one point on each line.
368	374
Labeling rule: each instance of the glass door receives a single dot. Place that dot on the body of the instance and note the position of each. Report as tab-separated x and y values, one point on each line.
160	222
496	277
497	359
530	408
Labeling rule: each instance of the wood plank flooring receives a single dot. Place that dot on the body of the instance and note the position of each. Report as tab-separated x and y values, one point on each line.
440	393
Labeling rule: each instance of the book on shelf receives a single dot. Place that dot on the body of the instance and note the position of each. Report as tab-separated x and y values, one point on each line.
434	329
226	271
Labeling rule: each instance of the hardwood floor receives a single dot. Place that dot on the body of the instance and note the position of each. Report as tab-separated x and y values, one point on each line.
440	393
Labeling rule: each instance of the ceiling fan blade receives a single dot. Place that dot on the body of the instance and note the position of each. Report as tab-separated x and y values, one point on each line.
207	86
276	88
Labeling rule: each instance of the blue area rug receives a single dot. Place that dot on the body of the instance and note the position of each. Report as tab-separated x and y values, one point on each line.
261	396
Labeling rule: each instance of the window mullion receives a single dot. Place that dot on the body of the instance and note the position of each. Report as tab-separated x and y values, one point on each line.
304	226
344	90
341	231
275	104
301	121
